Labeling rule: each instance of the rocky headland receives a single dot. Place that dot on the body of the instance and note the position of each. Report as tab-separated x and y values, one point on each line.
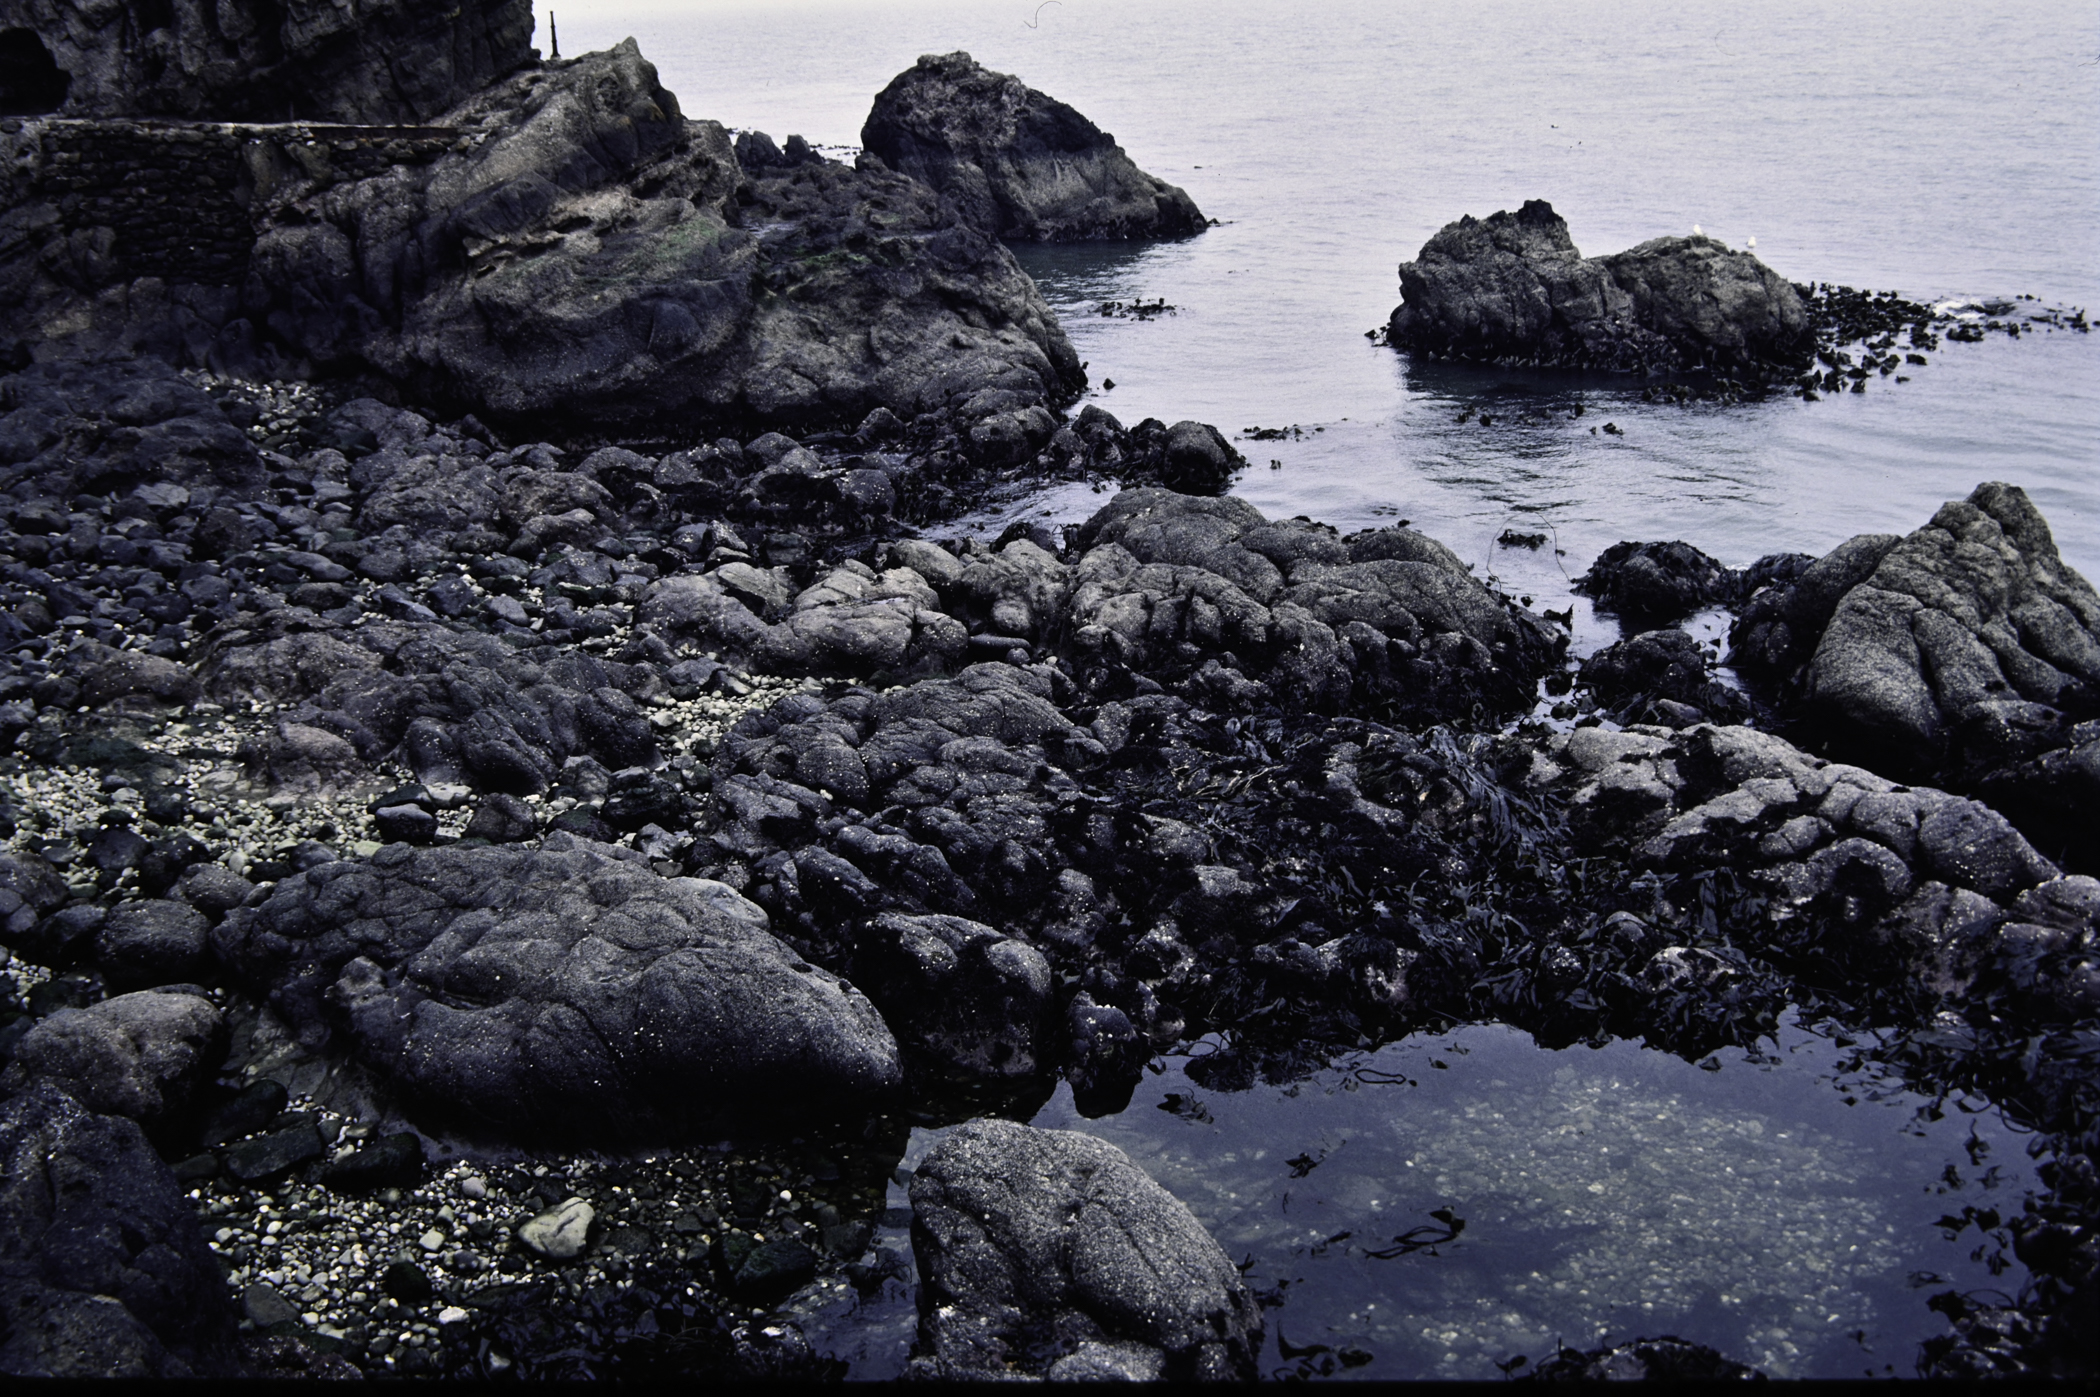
514	801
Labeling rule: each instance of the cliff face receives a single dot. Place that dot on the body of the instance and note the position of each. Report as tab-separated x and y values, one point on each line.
352	61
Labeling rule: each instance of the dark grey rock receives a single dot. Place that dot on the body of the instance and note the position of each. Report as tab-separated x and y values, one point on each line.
970	999
1030	1242
1975	609
1016	163
1513	289
391	1161
1651	584
140	1055
213	890
247	1111
266	1157
155	942
559	990
389	62
406	824
1667	665
502	819
102	1269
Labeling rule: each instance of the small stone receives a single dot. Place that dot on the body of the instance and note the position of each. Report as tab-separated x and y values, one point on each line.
451	1314
279	1152
473	1186
431	1240
562	1232
262	1303
405	1281
405	824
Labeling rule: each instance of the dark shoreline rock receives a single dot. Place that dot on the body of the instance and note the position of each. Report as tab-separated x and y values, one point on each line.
1014	162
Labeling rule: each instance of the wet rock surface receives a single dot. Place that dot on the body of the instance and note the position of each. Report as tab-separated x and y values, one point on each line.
1017	163
1048	1252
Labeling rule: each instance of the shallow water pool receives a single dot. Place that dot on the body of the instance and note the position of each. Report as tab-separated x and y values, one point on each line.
1780	1206
1448	1204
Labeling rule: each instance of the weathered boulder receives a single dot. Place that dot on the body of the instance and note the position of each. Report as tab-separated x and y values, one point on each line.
969	999
1014	162
457	706
1183	587
140	1055
380	62
158	941
1513	289
1973	614
103	1272
108	427
1049	1253
559	990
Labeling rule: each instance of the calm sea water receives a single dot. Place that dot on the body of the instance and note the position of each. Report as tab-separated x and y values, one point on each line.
1936	150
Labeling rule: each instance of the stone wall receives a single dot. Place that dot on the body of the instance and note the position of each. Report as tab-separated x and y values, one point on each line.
178	200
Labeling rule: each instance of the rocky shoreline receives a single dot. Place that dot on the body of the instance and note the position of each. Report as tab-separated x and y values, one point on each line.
480	905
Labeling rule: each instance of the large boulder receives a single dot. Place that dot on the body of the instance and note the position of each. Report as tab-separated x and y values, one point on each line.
1967	654
1513	289
1977	608
1017	163
1178	586
562	990
140	1055
103	1271
379	62
1049	1253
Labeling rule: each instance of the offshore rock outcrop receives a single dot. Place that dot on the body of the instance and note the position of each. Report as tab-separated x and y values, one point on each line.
1513	289
1014	162
380	61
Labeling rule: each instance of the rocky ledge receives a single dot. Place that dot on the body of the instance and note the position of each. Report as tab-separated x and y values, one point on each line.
1014	162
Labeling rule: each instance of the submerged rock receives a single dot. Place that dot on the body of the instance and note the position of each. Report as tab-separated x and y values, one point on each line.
1014	162
1049	1253
560	990
1513	289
